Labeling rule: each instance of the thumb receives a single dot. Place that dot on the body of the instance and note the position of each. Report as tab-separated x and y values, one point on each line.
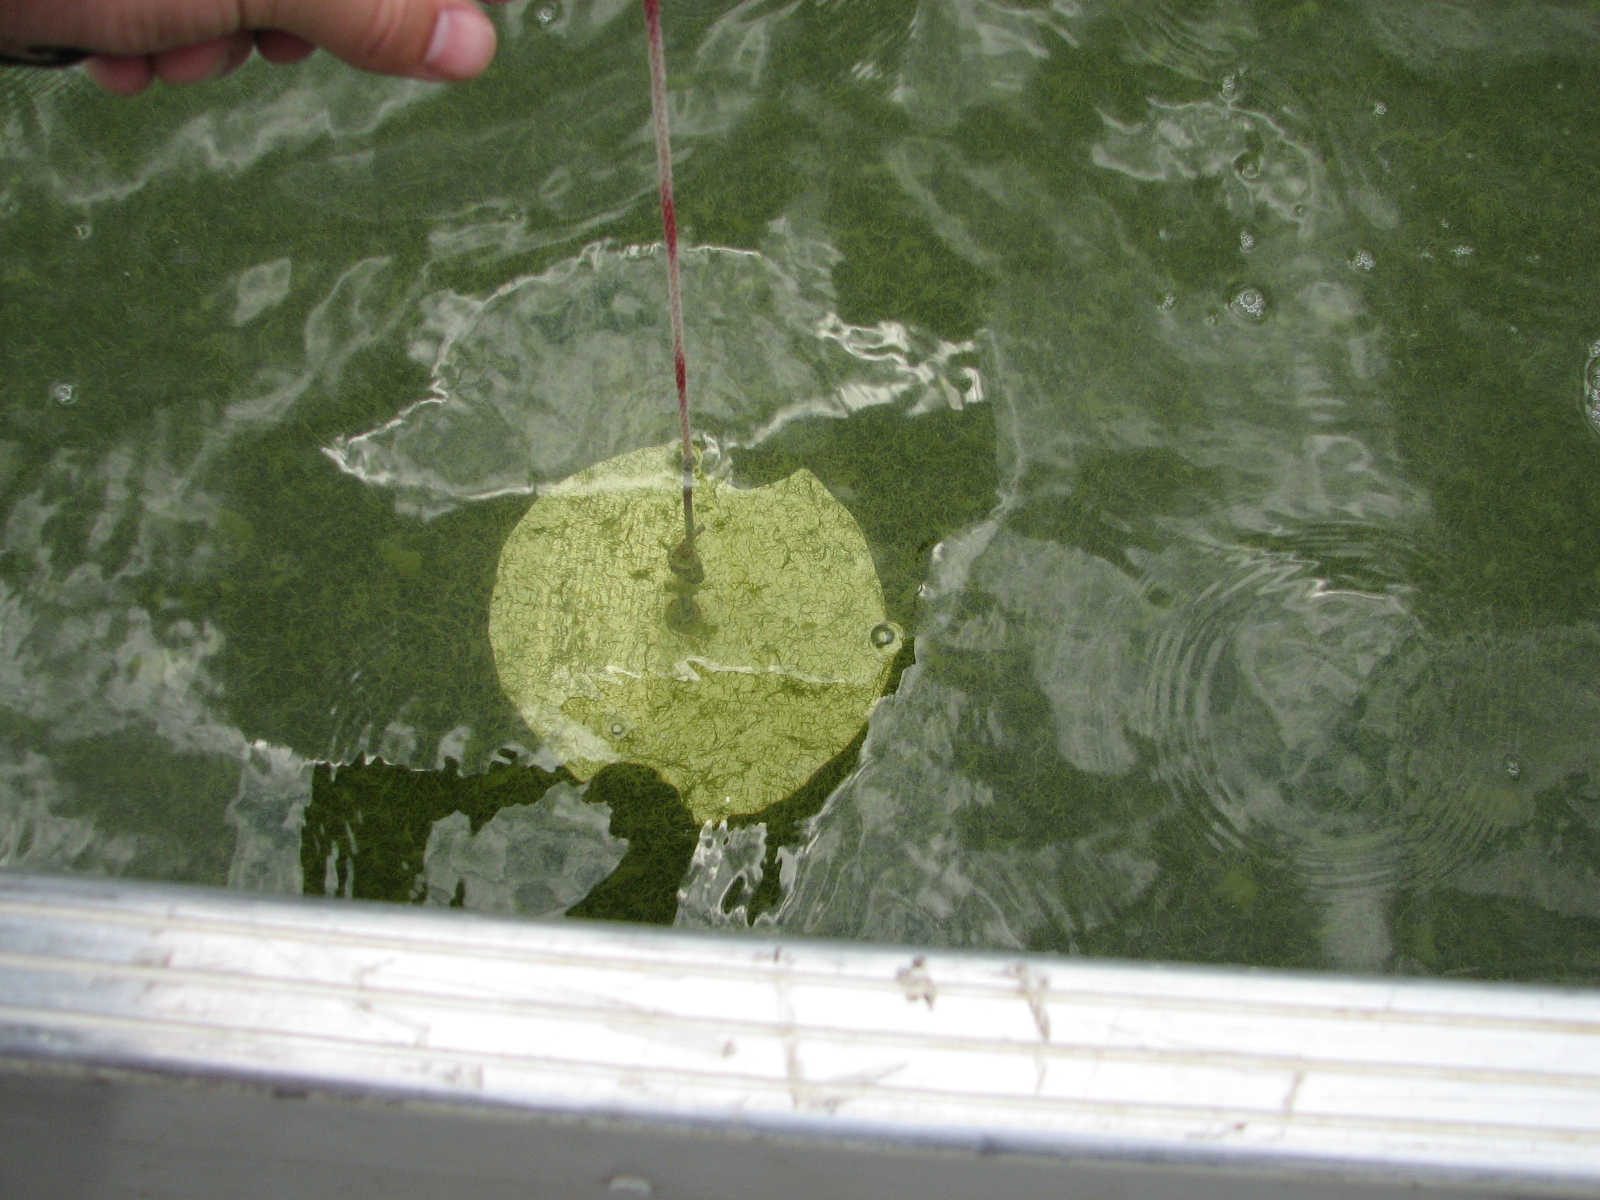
423	39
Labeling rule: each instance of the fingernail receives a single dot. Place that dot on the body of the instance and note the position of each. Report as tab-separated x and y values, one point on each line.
462	44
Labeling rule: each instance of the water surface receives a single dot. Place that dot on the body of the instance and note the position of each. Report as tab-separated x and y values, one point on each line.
1215	383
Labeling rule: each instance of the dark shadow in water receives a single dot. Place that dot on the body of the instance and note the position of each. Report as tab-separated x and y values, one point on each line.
661	833
371	820
374	820
788	819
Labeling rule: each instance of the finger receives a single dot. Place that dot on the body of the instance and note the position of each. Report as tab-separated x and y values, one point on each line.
205	60
121	74
244	46
276	46
423	39
120	27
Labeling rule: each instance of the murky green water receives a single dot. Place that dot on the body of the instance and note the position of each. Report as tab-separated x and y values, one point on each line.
1215	383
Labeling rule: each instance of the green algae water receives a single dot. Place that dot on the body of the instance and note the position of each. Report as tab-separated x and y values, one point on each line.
1215	385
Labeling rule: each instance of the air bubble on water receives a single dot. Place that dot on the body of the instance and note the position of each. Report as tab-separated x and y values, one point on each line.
83	231
1299	210
1379	109
547	13
1250	303
1248	165
63	394
1247	240
1361	259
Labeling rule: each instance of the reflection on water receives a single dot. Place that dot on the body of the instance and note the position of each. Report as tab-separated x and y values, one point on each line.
551	373
1215	382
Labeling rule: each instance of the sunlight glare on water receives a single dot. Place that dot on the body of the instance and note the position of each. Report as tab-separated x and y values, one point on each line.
1202	375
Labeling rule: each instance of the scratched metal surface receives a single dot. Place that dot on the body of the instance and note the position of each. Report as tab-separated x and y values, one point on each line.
961	1050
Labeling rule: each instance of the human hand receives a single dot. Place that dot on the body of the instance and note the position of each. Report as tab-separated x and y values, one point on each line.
132	42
